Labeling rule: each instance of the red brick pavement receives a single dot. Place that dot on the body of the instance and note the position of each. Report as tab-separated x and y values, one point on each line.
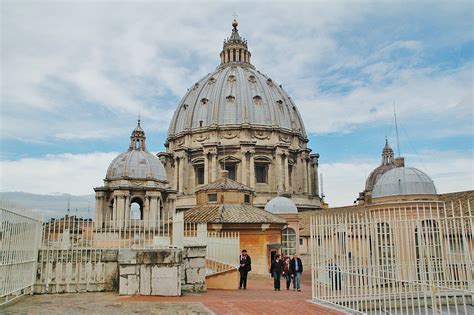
259	298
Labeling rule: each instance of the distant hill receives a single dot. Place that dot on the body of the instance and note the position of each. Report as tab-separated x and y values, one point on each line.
53	206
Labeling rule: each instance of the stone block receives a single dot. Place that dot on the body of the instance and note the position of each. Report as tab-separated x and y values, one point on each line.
133	284
195	251
195	275
197	262
164	272
127	270
127	256
109	255
145	280
194	288
165	286
123	286
160	256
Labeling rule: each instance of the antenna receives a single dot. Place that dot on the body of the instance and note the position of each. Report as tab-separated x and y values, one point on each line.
322	189
396	128
68	204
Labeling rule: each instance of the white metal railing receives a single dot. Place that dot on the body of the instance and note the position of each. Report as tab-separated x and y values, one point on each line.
72	249
222	251
407	259
71	233
19	242
222	248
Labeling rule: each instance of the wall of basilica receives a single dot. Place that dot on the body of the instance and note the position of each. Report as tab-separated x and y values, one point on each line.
273	162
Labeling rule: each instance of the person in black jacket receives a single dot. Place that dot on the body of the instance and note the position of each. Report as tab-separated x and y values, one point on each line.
296	267
245	267
275	269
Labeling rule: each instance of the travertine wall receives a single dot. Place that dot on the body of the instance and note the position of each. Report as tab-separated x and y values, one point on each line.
131	272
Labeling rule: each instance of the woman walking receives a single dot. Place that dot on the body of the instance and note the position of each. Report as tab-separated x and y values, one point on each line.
287	272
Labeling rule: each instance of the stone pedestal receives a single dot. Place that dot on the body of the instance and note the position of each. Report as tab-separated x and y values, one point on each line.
153	272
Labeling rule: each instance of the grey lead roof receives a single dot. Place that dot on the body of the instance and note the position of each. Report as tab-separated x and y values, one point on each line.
404	181
137	162
234	95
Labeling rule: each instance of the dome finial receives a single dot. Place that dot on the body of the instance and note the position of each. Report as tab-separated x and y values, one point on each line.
234	22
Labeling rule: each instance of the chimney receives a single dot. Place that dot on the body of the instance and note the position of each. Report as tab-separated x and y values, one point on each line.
400	161
225	174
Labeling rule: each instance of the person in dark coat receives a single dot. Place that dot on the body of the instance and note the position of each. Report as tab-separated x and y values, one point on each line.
276	269
287	272
245	267
296	267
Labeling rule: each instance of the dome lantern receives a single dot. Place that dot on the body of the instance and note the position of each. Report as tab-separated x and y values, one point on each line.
137	139
235	48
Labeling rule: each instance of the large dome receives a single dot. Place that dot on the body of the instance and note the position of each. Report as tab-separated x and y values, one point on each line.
404	181
279	205
236	95
137	162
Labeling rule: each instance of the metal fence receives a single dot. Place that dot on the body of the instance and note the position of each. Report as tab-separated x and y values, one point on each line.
19	242
73	255
223	247
71	232
396	260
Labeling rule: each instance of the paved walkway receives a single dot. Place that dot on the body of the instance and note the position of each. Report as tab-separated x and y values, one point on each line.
259	298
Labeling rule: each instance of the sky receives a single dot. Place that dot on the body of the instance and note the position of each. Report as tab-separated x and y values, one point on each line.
75	76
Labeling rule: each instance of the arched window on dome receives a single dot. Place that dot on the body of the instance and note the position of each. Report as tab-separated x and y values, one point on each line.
288	242
136	209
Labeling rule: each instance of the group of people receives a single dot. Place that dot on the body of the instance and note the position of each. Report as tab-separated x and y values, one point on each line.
290	269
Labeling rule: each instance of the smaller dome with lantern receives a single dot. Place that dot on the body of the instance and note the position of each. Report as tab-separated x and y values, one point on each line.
137	162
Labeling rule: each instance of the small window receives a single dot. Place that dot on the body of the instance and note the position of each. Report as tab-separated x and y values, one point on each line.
212	198
231	168
261	173
247	199
199	174
301	241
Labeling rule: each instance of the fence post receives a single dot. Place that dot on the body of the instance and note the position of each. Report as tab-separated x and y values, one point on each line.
178	230
202	233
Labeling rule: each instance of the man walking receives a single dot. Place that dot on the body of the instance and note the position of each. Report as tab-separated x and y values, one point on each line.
245	267
296	269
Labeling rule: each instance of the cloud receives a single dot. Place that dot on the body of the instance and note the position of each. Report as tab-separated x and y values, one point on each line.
67	173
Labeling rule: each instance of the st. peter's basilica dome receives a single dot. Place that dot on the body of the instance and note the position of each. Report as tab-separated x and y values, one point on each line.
234	95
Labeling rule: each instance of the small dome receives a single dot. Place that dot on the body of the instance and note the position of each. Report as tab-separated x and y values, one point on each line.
404	181
279	205
137	162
